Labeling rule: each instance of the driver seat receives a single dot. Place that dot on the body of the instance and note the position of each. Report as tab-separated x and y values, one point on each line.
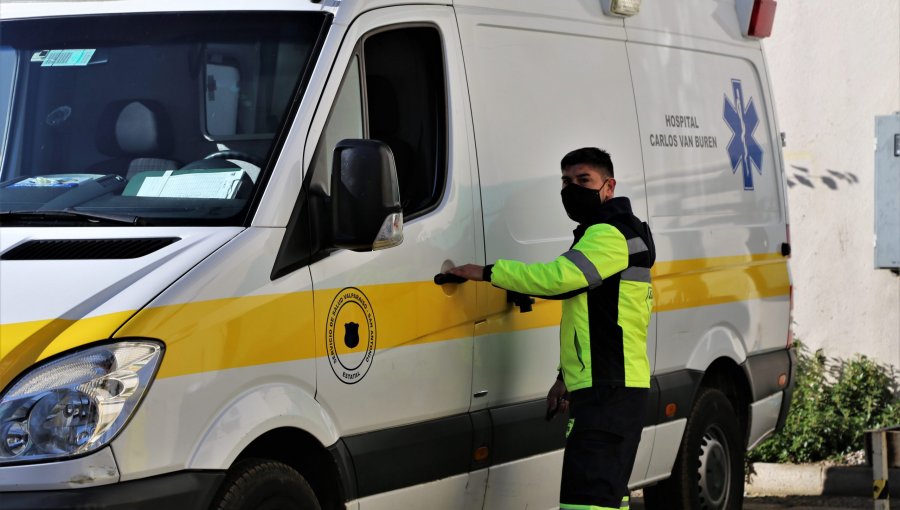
138	136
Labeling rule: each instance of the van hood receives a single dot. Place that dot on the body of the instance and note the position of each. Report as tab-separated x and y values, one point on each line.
61	288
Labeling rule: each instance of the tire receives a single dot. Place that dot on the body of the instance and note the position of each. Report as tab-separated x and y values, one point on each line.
709	471
257	484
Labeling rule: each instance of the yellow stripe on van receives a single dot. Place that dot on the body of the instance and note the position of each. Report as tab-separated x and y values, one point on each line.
228	333
24	343
255	330
692	283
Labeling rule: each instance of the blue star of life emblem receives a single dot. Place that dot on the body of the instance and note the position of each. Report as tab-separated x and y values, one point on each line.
743	149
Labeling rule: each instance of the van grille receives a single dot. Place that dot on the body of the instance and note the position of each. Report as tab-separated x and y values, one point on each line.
87	249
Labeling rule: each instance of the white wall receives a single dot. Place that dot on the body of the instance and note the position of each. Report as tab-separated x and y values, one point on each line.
834	66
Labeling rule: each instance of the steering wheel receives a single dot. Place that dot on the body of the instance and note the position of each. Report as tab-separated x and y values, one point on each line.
240	155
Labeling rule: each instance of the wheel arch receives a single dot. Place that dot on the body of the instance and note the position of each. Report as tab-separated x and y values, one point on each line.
728	377
685	487
252	414
302	451
280	421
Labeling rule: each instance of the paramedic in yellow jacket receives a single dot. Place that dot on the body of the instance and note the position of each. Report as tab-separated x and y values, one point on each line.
604	282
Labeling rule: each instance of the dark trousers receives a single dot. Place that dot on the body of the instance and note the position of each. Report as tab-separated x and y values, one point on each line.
601	443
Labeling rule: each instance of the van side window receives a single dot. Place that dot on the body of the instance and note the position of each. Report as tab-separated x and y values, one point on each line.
405	108
404	78
392	91
344	121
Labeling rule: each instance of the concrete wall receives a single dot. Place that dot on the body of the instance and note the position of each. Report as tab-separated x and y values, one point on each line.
834	66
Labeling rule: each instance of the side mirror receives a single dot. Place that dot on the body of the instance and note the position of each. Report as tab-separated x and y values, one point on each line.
365	197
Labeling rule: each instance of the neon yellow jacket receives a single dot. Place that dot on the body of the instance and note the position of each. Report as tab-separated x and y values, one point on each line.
604	281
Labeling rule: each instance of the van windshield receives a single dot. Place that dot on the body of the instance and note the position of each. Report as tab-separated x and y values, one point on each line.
167	118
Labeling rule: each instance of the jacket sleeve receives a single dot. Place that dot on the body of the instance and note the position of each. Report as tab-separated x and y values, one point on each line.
601	253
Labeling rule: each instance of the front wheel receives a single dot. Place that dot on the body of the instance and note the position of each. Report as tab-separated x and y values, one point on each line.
257	484
709	470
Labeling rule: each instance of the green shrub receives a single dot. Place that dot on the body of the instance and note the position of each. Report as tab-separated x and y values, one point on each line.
834	403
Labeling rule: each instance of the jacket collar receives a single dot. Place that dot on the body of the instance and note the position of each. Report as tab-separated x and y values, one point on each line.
612	208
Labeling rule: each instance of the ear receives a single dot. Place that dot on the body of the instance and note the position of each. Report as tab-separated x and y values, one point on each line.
611	186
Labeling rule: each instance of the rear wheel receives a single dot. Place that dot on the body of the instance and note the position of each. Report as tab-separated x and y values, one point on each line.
709	471
257	484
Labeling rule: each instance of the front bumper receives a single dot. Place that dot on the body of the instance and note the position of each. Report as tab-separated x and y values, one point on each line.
184	490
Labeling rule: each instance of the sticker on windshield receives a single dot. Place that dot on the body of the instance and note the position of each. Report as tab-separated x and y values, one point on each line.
63	58
54	181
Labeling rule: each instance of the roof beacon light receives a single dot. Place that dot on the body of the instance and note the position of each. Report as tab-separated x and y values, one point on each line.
623	8
756	17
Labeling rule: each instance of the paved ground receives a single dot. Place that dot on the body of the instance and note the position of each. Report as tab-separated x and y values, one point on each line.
799	503
789	486
811	503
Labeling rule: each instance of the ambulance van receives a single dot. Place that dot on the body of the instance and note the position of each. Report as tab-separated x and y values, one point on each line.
222	224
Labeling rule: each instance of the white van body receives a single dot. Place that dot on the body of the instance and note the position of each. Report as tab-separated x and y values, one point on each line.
262	340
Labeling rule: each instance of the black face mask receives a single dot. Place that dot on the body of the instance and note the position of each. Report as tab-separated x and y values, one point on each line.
582	204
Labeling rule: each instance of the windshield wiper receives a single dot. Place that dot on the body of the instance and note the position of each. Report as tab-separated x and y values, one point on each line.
73	216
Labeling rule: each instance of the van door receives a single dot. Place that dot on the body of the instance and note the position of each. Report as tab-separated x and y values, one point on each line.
394	349
541	86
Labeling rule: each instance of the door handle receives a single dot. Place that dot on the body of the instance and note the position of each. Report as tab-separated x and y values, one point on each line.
523	301
445	278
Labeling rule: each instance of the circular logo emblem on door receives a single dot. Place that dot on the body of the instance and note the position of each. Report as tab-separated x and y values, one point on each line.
350	335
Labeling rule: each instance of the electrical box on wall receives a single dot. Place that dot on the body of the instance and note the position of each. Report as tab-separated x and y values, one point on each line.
887	192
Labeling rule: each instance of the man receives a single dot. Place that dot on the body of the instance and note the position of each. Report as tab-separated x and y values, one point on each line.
604	282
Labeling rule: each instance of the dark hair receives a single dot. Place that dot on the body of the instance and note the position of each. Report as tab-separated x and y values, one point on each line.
592	156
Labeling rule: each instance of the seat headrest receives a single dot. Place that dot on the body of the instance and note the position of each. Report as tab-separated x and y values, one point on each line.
134	128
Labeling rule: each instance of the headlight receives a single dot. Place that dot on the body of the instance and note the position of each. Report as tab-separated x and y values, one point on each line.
77	403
